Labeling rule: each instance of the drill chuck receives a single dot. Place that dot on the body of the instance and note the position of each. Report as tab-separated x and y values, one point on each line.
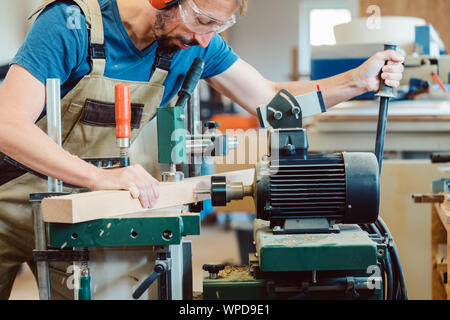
223	192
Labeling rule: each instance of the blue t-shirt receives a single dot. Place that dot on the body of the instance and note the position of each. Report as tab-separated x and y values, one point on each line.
56	48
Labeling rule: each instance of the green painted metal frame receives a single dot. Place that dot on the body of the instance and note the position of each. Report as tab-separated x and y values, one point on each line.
351	249
264	286
171	135
237	290
265	290
121	232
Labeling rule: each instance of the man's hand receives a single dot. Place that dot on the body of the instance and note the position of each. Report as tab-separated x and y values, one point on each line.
134	179
368	73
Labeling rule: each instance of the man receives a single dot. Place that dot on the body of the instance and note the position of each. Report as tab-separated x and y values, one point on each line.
123	41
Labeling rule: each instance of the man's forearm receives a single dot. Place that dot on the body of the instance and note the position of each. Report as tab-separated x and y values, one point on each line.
29	145
335	90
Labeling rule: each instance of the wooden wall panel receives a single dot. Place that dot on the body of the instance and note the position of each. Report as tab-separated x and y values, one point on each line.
435	12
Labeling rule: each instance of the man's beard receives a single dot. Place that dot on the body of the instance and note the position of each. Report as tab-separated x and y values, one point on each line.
166	43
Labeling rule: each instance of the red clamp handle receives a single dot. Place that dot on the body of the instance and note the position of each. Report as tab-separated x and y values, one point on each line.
123	111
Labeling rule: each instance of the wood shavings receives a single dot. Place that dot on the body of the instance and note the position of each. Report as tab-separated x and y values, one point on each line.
236	273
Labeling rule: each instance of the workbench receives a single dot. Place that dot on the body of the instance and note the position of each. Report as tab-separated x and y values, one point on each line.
440	249
122	252
414	128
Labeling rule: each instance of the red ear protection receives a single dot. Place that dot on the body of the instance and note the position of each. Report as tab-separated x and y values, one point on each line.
163	4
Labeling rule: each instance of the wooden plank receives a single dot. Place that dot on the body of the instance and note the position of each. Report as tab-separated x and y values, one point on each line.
441	257
444	214
88	206
438	237
429	198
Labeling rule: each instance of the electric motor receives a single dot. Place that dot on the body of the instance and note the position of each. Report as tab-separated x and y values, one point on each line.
343	187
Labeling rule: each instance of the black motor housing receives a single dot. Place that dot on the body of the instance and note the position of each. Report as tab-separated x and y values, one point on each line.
294	185
342	187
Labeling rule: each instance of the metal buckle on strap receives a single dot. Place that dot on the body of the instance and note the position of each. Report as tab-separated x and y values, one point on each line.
97	51
163	62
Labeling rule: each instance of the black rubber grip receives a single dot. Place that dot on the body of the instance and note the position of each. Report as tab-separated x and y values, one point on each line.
385	90
192	78
145	285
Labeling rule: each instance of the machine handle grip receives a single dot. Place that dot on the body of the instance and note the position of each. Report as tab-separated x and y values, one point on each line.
192	78
145	285
157	271
123	111
385	90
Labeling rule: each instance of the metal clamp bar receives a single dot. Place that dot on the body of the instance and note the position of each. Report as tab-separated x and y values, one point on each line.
53	89
40	243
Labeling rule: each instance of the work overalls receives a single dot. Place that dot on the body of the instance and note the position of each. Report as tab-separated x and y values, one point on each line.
88	131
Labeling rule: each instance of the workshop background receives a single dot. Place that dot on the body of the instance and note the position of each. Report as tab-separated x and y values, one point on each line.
277	38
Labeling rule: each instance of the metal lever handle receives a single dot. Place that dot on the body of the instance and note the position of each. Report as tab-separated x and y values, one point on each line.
385	93
158	270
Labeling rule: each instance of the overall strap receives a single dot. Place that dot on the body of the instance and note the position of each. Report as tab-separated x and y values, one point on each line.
94	22
97	38
161	68
40	8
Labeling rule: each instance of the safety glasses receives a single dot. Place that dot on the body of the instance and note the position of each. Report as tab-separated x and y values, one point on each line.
201	22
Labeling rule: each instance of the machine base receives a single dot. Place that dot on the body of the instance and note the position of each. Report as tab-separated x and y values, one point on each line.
344	265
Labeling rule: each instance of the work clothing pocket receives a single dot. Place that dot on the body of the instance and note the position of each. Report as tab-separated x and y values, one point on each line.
102	114
89	120
69	119
92	133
